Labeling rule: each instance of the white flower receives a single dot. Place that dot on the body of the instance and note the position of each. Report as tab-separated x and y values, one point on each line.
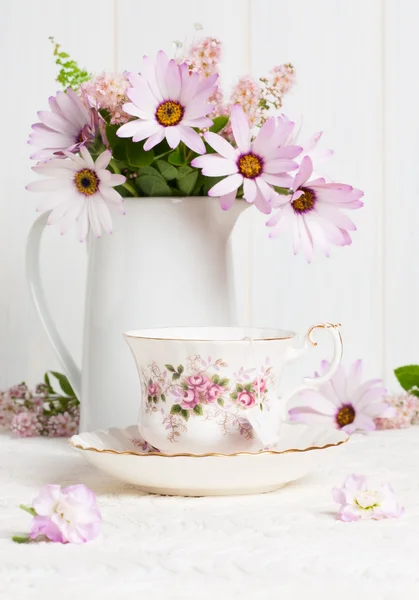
81	192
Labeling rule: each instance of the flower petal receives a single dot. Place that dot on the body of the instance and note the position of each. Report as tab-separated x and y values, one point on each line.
172	136
192	139
220	145
249	190
103	160
214	166
45	502
241	129
304	172
227	201
173	80
227	185
162	62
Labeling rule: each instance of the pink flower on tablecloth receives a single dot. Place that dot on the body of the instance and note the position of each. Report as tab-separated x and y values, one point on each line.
189	399
358	502
153	389
213	392
261	384
7	409
66	514
25	424
198	382
246	399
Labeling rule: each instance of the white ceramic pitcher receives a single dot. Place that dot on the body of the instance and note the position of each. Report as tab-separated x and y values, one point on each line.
166	264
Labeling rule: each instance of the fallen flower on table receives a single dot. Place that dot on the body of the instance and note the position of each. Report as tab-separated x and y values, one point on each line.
64	515
358	502
344	402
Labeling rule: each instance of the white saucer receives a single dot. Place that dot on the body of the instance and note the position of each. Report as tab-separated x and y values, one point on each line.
123	454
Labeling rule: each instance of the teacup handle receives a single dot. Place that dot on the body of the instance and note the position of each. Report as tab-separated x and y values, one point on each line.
314	383
267	428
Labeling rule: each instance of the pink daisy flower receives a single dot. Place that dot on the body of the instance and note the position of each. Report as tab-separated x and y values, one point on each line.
65	128
313	212
168	102
357	501
257	165
343	402
85	192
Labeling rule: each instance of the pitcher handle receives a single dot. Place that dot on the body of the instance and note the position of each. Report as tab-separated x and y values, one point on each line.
37	292
314	383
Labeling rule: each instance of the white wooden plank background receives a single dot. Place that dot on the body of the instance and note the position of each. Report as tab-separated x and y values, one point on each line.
355	64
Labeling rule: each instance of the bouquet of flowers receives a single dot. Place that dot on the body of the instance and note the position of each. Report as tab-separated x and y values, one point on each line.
169	131
42	411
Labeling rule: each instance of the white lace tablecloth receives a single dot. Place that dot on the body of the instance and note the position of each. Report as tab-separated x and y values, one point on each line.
286	544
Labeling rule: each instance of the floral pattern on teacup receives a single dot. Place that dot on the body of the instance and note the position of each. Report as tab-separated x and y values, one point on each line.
198	389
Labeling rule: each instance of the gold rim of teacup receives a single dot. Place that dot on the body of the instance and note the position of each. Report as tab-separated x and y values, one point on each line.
214	454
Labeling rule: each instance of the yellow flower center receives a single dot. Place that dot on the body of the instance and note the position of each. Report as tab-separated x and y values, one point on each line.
305	202
87	182
346	415
250	165
169	113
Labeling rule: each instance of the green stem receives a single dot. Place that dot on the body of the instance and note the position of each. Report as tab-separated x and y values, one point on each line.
114	166
28	509
21	539
128	186
164	154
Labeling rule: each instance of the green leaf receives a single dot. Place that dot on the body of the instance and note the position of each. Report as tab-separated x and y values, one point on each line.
150	398
180	369
176	409
155	399
234	396
261	407
168	171
248	387
177	157
408	377
187	184
170	368
216	379
219	123
136	155
184	385
175	376
153	186
116	143
224	382
185	171
220	401
239	387
185	414
198	409
64	384
163	397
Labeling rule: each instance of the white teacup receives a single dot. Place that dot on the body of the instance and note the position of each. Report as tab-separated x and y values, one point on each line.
216	389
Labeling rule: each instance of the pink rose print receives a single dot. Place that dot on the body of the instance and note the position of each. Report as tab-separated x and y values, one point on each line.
189	399
199	382
262	385
213	392
153	389
246	399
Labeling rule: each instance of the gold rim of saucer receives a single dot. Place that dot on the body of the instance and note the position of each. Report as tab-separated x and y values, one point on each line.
216	454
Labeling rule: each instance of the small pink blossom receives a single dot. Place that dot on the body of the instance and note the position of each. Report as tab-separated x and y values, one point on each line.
66	514
358	502
25	424
213	392
246	399
62	425
405	407
19	391
344	402
190	399
154	389
199	382
108	91
204	56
